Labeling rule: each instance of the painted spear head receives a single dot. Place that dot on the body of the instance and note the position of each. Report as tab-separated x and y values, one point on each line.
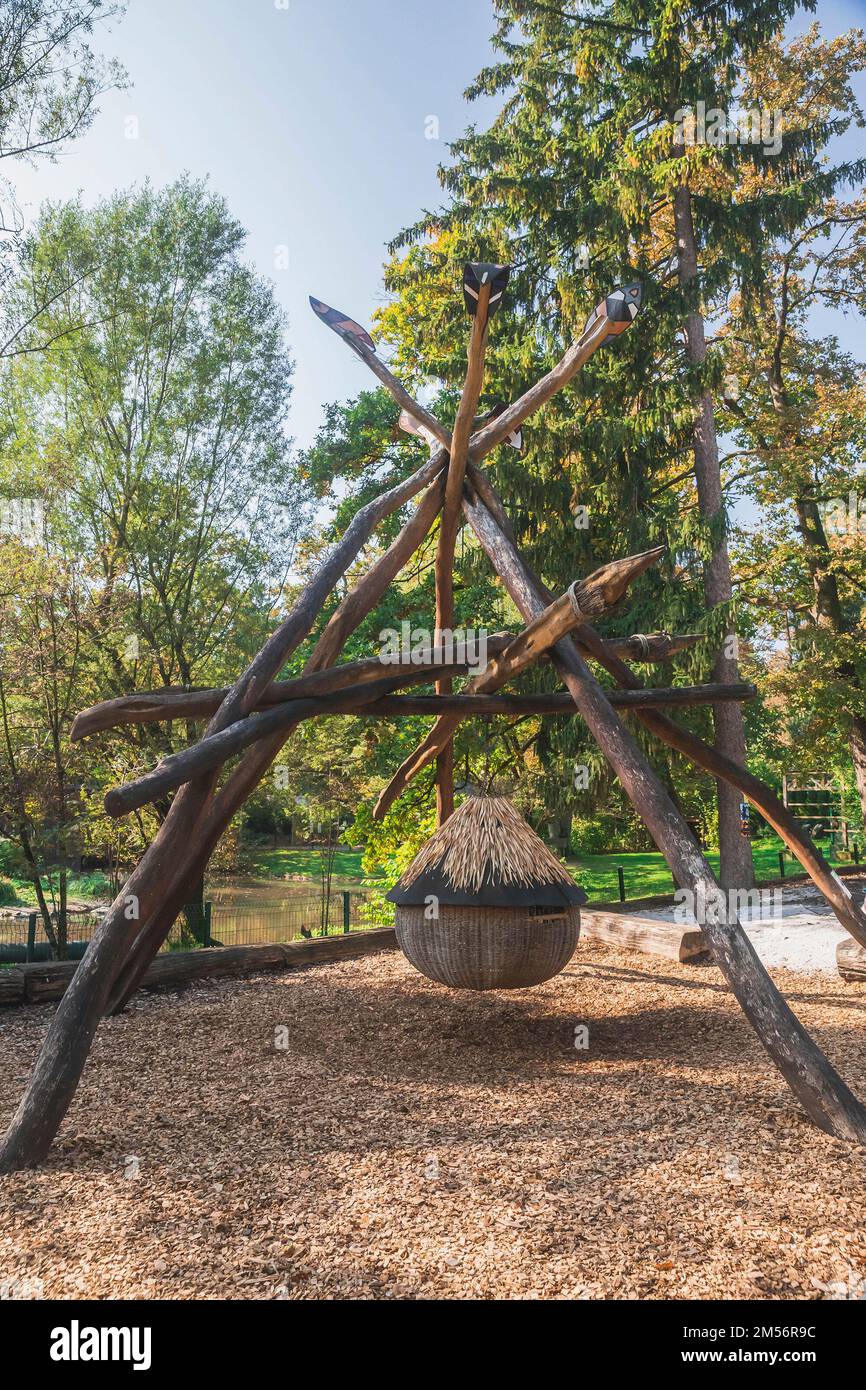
620	308
350	331
515	439
478	273
410	425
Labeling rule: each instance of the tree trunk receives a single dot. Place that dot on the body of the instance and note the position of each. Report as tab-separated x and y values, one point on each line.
737	870
857	745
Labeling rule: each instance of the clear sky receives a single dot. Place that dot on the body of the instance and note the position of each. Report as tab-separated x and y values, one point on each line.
311	117
311	120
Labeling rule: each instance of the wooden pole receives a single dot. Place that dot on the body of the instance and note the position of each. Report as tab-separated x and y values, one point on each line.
467	706
588	642
243	780
812	1078
849	914
450	522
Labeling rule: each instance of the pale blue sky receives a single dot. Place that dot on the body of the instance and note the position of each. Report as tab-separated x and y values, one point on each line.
310	120
309	116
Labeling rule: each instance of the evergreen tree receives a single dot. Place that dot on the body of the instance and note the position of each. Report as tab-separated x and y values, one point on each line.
618	154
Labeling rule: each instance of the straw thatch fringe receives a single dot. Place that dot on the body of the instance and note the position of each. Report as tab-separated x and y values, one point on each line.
487	840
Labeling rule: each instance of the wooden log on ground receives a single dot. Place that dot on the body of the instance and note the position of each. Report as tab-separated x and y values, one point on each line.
11	985
600	591
645	934
810	1075
40	984
851	960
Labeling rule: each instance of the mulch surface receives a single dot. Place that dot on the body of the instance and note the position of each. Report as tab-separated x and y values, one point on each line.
354	1131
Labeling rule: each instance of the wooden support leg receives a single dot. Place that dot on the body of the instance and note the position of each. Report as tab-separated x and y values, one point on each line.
352	611
812	1078
851	916
170	863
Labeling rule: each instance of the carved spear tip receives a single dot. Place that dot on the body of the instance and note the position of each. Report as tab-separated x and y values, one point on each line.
620	308
350	331
606	586
478	273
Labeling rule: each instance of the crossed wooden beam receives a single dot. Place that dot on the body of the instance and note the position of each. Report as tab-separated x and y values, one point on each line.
258	714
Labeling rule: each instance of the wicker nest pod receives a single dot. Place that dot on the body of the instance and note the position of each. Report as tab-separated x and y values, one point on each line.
485	904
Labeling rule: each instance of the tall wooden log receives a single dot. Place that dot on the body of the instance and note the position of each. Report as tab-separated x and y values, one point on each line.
450	522
811	1077
351	611
588	642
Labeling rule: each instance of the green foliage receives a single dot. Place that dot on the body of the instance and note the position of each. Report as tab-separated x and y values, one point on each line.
148	419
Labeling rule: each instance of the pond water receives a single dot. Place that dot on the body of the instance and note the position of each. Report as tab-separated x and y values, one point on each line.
272	894
248	909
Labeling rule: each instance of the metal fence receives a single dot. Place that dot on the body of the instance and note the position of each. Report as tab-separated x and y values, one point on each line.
23	936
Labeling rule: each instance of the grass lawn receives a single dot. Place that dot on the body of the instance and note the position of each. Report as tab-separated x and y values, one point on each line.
86	886
275	863
645	874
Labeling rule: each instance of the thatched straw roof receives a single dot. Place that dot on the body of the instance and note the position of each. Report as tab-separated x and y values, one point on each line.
486	853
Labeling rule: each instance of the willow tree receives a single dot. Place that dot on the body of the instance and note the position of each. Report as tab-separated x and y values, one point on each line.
148	416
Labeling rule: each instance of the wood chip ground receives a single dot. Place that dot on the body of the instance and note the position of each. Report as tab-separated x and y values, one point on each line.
353	1131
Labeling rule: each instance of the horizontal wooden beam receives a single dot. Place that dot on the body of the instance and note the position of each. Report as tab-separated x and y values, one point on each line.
175	702
468	705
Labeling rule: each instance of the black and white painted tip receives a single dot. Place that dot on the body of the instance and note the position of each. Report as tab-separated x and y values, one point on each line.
620	308
478	273
350	331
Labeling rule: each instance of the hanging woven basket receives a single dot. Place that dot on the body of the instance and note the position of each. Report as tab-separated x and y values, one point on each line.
485	904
